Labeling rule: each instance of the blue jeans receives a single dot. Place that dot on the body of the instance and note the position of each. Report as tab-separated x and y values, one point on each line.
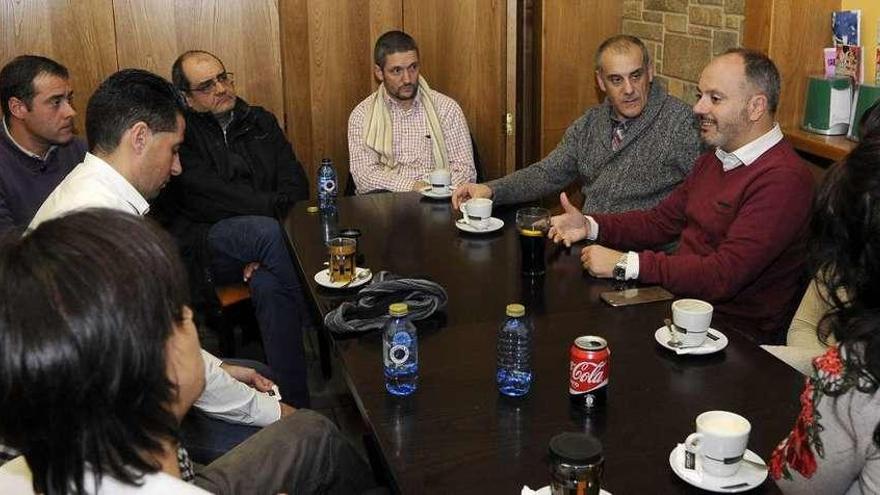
275	292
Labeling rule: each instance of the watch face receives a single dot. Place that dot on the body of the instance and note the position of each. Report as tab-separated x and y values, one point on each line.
619	272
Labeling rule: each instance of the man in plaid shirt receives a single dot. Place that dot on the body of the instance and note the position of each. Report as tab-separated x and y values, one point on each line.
405	130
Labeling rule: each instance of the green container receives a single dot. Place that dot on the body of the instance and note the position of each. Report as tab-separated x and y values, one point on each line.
828	105
866	95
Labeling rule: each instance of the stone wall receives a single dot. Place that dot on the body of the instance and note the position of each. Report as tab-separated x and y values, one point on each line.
683	35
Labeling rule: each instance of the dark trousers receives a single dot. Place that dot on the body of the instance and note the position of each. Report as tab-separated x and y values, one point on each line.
275	292
303	453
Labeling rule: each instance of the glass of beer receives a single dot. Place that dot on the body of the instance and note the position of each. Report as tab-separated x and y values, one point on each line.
343	252
533	224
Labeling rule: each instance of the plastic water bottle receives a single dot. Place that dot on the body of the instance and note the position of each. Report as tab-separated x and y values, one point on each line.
514	372
329	221
326	184
400	351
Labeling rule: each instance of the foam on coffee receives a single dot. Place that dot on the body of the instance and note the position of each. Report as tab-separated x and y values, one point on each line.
693	305
724	425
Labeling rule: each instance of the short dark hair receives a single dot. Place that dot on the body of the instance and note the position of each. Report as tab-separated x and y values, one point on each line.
126	98
390	43
88	302
178	77
17	78
762	73
620	43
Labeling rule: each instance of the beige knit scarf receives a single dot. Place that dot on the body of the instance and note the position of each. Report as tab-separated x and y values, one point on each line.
378	129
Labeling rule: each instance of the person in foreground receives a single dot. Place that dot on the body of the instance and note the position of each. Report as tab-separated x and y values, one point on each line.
101	361
834	447
630	151
741	215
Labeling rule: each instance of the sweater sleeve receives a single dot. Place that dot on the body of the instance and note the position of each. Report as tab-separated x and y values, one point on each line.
547	176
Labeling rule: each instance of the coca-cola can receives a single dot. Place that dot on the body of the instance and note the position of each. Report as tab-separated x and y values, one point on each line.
590	369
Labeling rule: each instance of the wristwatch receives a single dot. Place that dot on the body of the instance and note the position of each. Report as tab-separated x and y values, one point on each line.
619	271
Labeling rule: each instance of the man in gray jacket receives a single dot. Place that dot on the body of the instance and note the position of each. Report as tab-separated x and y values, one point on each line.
631	150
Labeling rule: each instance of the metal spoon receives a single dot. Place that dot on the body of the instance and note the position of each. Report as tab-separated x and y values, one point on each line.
673	338
360	276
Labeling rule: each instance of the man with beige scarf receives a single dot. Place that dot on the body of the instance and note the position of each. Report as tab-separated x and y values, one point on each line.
405	130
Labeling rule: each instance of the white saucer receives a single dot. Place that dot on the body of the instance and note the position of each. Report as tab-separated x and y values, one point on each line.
323	278
748	477
493	225
428	192
708	347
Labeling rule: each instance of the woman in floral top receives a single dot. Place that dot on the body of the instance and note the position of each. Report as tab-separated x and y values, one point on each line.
834	447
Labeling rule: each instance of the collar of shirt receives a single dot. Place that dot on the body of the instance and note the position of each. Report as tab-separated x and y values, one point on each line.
396	105
118	184
747	154
22	148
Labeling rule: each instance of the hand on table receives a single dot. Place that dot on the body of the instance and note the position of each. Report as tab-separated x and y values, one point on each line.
249	270
248	376
599	261
569	227
468	191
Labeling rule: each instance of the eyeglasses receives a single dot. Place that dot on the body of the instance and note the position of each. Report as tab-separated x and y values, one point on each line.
225	78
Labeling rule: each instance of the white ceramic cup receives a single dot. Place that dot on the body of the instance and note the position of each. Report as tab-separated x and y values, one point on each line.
477	212
720	442
440	181
692	318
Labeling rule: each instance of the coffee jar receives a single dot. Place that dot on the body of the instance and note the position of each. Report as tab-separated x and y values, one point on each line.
576	464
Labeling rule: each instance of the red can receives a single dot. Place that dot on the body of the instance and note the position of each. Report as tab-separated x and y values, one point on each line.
590	369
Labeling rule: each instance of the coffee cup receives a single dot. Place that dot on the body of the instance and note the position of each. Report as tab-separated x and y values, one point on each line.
440	181
477	212
691	318
719	443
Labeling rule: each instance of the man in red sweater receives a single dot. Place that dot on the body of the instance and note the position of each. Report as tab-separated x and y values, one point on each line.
740	217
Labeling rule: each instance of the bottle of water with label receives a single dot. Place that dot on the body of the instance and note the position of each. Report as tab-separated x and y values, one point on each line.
514	369
400	351
326	184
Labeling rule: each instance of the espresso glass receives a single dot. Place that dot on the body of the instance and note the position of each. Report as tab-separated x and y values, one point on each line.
533	225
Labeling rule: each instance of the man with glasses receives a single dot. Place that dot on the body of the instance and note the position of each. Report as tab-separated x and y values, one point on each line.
240	175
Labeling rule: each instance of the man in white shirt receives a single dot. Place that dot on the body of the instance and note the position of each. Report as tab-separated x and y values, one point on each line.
135	126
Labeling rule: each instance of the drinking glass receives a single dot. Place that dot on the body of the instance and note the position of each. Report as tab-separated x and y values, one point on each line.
533	225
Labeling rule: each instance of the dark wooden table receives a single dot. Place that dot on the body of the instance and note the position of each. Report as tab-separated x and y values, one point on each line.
457	434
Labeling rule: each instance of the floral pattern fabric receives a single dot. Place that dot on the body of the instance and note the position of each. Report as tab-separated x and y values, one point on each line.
799	449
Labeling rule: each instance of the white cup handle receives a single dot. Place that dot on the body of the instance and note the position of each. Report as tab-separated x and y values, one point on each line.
692	442
464	212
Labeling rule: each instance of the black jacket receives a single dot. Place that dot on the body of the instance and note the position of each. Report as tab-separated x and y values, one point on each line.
252	170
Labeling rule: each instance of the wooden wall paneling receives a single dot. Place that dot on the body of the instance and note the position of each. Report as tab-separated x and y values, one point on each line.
463	55
76	34
244	34
792	33
328	53
571	30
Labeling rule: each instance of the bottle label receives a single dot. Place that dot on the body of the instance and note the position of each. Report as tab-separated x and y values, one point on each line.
398	354
328	186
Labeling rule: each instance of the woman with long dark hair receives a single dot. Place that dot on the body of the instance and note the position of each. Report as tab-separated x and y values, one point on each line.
834	447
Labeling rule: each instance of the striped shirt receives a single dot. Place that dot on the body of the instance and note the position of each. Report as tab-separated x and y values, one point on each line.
411	145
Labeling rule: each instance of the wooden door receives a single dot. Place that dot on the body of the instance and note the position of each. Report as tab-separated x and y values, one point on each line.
244	34
464	54
571	30
78	35
327	48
